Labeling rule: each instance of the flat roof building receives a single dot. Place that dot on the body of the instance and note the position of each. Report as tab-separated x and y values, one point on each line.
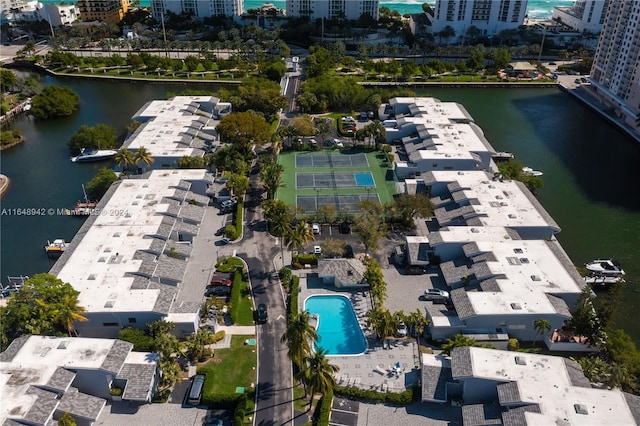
177	127
327	9
198	8
130	259
109	11
43	377
476	198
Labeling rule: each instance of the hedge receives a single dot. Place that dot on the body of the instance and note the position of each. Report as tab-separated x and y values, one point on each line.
311	259
241	409
220	401
397	398
236	294
323	409
293	296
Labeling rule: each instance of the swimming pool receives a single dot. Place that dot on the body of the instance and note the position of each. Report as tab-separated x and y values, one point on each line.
338	330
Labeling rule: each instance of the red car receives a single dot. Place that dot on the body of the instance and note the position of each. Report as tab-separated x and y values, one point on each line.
220	282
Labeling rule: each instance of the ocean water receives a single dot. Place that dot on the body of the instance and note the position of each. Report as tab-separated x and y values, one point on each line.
535	8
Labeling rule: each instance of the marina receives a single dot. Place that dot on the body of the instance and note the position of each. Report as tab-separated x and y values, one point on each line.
55	248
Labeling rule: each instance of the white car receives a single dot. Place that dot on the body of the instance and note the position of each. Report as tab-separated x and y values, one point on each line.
436	294
338	143
317	250
315	228
402	329
226	204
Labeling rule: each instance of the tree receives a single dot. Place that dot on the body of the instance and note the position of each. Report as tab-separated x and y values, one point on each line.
584	320
299	237
501	58
141	340
142	155
299	337
7	79
458	340
44	305
124	159
271	176
54	102
100	183
303	124
100	136
195	346
382	322
411	206
369	230
238	184
319	373
417	321
244	129
67	420
377	286
333	247
190	162
542	326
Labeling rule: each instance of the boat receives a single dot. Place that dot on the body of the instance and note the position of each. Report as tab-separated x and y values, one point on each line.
55	248
530	171
501	155
91	154
607	267
85	208
602	280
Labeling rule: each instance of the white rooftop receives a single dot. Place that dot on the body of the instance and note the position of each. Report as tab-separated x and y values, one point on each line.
170	126
35	364
461	234
104	255
532	270
496	203
544	380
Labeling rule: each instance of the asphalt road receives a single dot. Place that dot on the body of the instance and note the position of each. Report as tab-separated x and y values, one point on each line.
258	248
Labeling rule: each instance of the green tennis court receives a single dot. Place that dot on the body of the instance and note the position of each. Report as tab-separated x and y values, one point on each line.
330	159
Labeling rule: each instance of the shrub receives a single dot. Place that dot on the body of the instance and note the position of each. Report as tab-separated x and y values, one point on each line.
142	341
513	344
296	265
293	296
285	274
218	336
304	259
241	408
323	409
397	398
162	396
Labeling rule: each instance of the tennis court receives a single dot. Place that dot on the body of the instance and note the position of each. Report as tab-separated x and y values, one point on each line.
335	180
343	203
330	159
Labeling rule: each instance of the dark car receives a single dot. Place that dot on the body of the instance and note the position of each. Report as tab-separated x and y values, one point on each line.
348	252
220	282
261	313
221	231
217	291
345	228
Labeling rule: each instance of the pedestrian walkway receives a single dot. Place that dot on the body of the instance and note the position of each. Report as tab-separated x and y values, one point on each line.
242	330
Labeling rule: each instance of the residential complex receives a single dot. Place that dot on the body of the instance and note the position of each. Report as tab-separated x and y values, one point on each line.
198	8
43	377
177	127
318	9
22	10
109	11
507	388
614	73
583	15
130	263
489	16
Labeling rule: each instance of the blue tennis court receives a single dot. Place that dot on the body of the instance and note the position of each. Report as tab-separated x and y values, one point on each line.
364	179
335	180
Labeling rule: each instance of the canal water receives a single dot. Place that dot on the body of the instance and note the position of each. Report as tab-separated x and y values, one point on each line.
590	171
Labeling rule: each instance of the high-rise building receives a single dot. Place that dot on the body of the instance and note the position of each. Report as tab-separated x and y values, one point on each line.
109	11
348	9
489	16
614	73
199	8
582	15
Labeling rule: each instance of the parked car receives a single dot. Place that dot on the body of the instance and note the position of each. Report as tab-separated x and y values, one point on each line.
577	81
345	228
220	282
435	294
217	291
221	231
315	228
402	329
317	250
221	180
348	252
227	204
261	313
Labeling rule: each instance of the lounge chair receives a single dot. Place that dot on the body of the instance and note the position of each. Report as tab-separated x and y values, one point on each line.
380	370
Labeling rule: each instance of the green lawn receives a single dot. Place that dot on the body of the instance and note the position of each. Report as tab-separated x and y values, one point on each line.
229	369
241	301
383	177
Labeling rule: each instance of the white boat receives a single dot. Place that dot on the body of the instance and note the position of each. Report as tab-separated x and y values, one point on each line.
92	154
501	155
603	280
530	171
56	248
605	267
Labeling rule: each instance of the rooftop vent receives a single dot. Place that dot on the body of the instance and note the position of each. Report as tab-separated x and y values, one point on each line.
535	278
102	260
516	306
520	360
110	304
512	216
64	344
116	234
92	277
581	409
517	250
524	260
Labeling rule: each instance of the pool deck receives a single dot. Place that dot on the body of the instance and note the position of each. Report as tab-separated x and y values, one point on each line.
375	368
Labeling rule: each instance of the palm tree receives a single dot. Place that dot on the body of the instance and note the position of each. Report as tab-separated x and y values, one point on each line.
124	159
319	374
281	226
299	336
299	237
69	312
542	326
143	155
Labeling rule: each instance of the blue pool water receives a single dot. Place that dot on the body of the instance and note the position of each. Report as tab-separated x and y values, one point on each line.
364	179
338	330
